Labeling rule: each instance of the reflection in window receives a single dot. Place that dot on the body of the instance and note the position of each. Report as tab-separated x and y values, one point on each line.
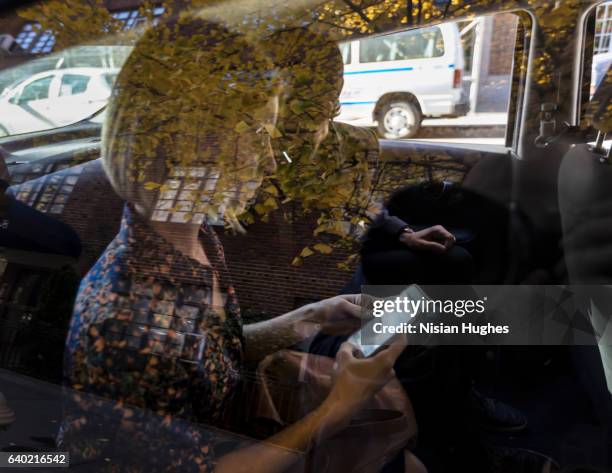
35	41
133	18
51	193
416	44
27	289
345	50
603	29
602	49
109	79
37	90
73	84
182	201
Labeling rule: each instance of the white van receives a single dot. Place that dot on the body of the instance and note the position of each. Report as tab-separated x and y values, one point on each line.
396	80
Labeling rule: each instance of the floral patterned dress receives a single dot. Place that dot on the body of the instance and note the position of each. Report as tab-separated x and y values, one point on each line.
147	354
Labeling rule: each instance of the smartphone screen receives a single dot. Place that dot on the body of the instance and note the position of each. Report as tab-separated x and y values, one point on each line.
413	292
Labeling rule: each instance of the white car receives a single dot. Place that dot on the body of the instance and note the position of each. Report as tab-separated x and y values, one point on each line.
54	98
396	80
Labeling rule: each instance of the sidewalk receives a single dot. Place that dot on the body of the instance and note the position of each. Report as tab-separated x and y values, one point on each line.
469	120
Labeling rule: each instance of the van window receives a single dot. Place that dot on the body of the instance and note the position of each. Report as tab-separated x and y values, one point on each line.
418	44
345	50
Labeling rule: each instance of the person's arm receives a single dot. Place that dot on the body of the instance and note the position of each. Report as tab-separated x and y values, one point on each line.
358	379
390	225
390	220
336	315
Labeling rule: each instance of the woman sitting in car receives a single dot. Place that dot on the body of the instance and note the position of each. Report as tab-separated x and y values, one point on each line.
156	326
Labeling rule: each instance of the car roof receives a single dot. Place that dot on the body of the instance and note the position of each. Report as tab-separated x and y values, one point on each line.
90	71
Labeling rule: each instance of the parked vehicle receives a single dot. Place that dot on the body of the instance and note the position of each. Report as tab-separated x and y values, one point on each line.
54	98
398	79
601	63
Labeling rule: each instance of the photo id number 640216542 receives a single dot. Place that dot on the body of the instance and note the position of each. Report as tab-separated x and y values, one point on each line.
34	459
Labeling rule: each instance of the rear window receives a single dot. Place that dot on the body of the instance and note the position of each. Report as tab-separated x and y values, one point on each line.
416	44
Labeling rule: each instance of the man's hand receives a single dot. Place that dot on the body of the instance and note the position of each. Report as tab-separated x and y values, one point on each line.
437	239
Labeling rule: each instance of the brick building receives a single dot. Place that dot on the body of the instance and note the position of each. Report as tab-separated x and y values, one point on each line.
488	43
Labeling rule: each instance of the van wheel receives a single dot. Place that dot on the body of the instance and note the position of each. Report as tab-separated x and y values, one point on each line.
399	120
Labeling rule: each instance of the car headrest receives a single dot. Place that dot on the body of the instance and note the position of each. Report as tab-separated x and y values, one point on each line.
599	111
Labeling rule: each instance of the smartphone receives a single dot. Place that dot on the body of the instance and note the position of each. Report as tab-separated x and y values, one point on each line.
413	292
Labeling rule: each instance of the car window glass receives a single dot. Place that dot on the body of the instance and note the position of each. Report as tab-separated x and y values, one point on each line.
73	84
602	48
186	181
459	91
600	59
417	44
345	50
37	90
109	79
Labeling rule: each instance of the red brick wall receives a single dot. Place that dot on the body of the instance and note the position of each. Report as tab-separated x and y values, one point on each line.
259	262
260	265
502	44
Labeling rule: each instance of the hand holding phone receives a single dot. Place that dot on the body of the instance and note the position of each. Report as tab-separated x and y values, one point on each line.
359	338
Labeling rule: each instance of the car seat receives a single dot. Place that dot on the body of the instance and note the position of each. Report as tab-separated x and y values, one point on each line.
585	201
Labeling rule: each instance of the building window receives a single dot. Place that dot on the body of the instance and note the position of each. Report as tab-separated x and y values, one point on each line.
603	29
413	44
31	39
133	18
35	41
